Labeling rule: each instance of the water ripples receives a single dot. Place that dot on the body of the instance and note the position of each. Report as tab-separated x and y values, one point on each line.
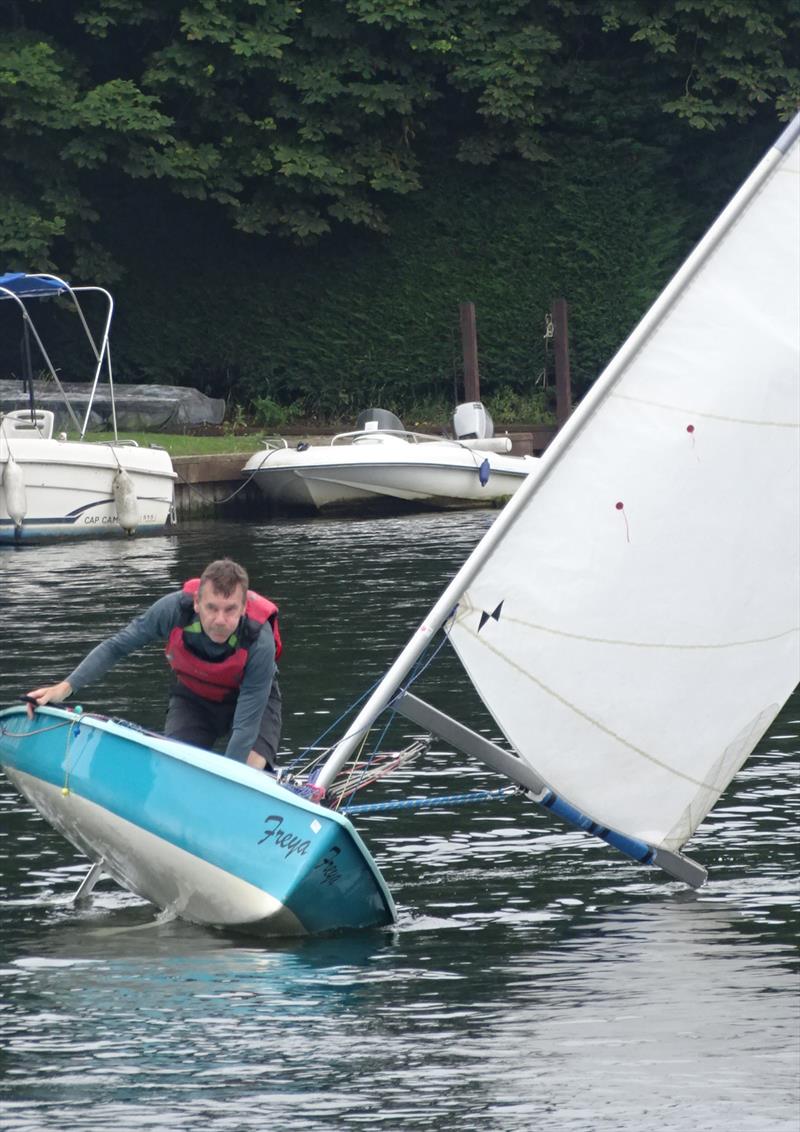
534	979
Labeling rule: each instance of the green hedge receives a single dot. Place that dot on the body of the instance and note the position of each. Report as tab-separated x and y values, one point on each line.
360	320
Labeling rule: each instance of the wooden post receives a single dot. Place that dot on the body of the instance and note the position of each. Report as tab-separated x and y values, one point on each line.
469	346
563	382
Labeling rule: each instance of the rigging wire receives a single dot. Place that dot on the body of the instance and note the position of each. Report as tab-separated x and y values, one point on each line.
417	671
293	768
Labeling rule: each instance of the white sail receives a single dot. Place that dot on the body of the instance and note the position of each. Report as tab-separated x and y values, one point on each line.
636	626
632	618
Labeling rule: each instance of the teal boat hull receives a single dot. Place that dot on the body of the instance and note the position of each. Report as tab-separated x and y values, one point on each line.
209	839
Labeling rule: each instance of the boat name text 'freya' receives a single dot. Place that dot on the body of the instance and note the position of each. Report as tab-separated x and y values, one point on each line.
284	838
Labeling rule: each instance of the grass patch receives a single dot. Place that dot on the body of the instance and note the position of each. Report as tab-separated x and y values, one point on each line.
245	430
178	444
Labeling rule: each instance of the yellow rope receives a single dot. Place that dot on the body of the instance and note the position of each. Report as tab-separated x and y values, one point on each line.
65	787
75	724
353	763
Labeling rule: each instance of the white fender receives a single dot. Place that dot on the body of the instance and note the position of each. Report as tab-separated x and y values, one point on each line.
14	488
488	444
126	502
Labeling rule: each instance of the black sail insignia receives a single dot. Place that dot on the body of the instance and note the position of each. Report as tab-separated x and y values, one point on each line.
493	616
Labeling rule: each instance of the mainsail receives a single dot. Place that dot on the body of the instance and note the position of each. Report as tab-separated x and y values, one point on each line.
632	619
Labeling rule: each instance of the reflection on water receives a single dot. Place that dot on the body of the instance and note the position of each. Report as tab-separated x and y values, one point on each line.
534	979
655	1009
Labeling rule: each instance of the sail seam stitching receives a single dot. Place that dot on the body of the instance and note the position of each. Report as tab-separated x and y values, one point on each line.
590	719
651	644
701	413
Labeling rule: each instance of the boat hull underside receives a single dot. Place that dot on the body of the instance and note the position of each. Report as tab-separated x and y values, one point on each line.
68	488
153	868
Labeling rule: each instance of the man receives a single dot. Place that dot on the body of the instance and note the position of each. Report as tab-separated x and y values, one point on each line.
222	642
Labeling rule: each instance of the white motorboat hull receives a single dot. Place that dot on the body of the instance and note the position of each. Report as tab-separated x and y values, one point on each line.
68	488
435	474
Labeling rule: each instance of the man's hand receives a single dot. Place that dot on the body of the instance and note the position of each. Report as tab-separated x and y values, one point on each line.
52	695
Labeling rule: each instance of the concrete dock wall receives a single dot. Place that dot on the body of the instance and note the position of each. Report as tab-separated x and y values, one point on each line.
205	485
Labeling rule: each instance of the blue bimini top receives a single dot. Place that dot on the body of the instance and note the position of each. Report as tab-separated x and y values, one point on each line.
30	286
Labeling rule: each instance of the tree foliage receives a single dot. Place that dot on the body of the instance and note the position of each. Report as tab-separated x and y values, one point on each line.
362	319
296	117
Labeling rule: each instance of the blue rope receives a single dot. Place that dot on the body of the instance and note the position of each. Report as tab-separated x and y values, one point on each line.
421	803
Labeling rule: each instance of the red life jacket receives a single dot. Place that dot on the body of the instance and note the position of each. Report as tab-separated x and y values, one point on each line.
218	680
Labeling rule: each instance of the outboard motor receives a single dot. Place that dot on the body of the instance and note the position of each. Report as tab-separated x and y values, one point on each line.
471	421
379	418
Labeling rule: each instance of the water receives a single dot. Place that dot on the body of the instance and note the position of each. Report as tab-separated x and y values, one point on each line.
535	979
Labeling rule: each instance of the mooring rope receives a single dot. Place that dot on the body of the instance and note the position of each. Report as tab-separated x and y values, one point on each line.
240	488
216	502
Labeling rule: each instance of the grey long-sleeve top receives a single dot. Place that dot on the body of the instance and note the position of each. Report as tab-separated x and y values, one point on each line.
156	624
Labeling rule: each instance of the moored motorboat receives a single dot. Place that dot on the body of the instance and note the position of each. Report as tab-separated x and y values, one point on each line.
380	465
51	487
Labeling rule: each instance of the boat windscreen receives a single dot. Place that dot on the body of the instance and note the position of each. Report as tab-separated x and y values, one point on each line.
379	418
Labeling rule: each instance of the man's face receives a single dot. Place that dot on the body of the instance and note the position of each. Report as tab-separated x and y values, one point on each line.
219	615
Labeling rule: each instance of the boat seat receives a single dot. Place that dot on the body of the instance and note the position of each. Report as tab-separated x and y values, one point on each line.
20	423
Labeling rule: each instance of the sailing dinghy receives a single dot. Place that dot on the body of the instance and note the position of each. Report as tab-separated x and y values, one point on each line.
631	620
201	836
